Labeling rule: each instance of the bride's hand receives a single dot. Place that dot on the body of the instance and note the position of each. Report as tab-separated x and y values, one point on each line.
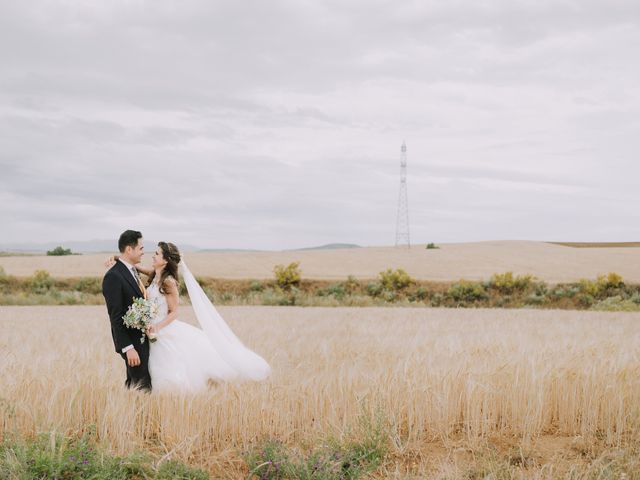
152	330
110	261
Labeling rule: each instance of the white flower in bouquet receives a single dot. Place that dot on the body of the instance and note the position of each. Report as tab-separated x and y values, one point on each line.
139	316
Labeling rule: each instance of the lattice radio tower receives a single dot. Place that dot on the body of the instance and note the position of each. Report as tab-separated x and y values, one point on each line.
402	221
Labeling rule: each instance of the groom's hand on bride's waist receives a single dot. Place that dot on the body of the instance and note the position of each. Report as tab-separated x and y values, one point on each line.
133	359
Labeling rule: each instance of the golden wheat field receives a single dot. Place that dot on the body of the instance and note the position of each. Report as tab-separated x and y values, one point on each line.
473	261
447	382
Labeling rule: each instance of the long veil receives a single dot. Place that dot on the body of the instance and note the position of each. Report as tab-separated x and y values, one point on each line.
246	363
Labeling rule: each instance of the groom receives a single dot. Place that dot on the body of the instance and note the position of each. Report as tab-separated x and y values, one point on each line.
120	286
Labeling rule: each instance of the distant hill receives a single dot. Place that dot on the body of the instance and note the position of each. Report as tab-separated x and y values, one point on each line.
101	245
330	246
227	250
598	244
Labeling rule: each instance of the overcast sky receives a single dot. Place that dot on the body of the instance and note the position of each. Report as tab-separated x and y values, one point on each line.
278	124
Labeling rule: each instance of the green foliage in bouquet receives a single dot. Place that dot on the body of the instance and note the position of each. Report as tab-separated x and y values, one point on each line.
139	316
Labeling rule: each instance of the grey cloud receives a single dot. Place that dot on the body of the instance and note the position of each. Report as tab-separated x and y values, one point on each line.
278	124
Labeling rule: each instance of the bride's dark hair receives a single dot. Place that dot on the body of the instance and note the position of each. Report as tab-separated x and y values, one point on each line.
171	254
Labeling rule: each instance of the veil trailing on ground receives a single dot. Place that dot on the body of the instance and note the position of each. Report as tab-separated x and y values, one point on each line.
247	364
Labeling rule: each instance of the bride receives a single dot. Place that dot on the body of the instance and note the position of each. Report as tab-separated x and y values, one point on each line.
184	357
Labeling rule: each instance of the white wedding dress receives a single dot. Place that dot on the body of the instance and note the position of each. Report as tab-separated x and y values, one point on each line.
184	358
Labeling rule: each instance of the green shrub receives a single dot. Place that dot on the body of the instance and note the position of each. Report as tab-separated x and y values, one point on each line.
603	285
589	287
389	296
41	282
3	274
395	280
431	246
503	301
66	297
351	284
419	295
280	297
616	304
52	456
256	286
175	470
572	290
289	276
465	291
271	296
508	283
211	295
566	291
613	280
332	460
89	285
341	289
541	289
374	289
437	299
535	299
59	251
585	300
336	290
558	292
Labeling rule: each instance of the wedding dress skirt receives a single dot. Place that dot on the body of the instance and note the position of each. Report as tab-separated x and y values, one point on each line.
183	358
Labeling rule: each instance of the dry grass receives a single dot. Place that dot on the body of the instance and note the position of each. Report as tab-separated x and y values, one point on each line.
447	381
451	262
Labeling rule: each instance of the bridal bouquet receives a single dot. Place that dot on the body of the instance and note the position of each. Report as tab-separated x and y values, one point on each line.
139	316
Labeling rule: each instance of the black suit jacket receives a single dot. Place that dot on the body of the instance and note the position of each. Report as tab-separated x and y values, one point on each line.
119	290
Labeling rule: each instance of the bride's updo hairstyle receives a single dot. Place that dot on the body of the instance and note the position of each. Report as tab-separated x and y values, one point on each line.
171	254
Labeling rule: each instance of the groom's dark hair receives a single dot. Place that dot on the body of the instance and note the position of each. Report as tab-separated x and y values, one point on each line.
129	238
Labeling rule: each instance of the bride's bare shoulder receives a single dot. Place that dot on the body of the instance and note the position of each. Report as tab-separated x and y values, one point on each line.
170	284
